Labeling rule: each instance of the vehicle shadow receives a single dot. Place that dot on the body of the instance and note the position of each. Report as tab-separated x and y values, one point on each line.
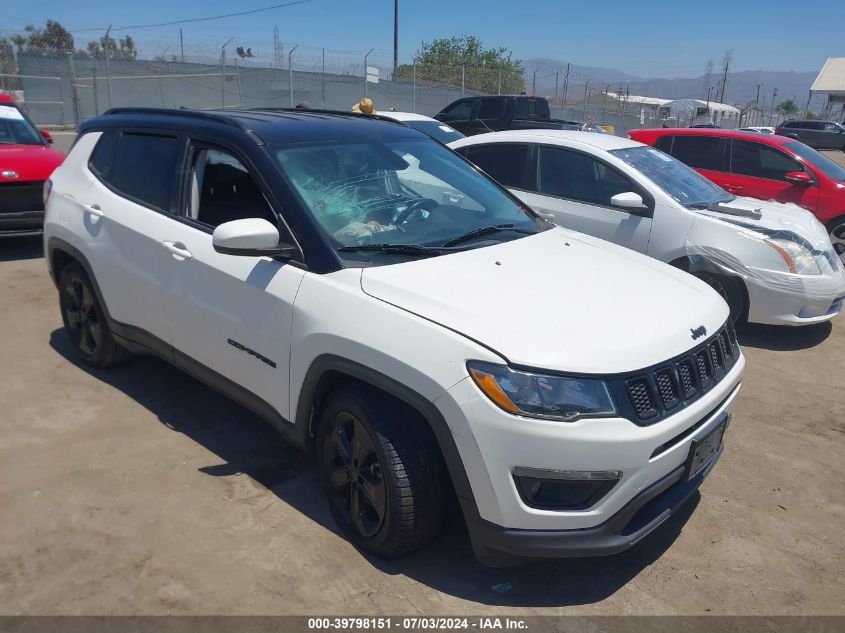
248	445
15	248
783	338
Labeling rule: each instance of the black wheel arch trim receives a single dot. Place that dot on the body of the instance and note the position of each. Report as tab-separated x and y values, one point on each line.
330	363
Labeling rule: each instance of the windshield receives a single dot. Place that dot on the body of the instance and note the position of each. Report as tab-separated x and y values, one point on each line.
409	191
683	183
15	129
436	130
817	160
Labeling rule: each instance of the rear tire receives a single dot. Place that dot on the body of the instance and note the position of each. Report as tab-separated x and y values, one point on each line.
382	472
732	291
85	321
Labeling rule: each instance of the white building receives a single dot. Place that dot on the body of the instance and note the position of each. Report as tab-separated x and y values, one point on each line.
831	82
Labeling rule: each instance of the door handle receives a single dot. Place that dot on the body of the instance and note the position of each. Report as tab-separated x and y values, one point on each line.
178	250
94	210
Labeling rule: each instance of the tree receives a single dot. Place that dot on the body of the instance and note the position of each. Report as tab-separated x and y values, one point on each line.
53	39
464	59
8	66
124	48
787	107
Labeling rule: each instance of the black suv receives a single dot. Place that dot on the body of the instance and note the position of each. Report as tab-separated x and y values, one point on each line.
816	134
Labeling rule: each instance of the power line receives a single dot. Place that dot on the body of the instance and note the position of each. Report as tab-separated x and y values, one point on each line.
192	20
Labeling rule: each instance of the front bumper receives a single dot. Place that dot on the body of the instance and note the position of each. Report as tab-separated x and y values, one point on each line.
22	223
493	443
636	520
795	299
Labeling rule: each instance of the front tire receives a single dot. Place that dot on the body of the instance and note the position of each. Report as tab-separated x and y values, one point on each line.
836	230
732	291
85	321
382	472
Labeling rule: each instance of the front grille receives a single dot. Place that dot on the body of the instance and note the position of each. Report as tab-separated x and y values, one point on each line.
17	197
655	393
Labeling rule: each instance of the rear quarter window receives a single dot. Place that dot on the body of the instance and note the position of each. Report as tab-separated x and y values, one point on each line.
103	150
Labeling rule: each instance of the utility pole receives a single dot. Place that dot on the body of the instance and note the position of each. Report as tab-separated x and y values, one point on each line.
534	82
182	46
108	68
726	65
708	76
323	78
395	37
223	73
565	83
290	73
604	112
772	115
557	75
757	102
365	70
586	86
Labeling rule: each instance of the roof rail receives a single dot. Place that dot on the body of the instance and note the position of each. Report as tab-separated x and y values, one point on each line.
182	111
345	113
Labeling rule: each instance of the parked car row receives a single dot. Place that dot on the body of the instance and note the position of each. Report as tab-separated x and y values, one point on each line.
496	320
766	167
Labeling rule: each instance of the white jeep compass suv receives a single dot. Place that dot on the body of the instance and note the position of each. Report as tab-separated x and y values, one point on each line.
382	302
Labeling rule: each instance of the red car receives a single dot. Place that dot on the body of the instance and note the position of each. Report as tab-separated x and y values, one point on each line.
767	167
26	161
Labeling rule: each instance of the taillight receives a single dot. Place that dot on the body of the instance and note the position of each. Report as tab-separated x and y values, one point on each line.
48	187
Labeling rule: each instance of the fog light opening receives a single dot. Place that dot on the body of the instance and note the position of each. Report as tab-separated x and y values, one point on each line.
563	489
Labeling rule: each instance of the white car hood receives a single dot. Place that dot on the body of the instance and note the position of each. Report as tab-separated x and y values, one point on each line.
559	300
774	216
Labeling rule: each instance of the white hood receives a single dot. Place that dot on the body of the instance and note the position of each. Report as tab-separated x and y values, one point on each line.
558	300
774	216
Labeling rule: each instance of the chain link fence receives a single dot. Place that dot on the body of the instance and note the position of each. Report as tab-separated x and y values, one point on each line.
65	87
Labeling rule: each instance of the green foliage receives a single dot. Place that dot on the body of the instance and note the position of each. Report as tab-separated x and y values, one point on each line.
441	61
811	116
124	48
8	66
53	39
787	107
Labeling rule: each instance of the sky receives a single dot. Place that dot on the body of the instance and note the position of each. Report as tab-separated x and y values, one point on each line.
647	39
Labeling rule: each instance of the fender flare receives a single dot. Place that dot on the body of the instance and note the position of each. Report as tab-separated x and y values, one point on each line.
326	364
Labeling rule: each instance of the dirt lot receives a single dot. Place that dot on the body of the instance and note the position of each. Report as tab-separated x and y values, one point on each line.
139	490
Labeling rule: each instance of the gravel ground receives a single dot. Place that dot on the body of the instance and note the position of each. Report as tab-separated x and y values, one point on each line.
138	490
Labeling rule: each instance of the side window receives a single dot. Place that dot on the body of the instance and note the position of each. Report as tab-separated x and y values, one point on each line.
830	127
812	125
461	111
761	161
223	190
491	109
701	152
664	144
143	167
504	162
101	156
576	176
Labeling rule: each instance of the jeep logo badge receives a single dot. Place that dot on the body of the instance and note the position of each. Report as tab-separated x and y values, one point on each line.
698	332
10	174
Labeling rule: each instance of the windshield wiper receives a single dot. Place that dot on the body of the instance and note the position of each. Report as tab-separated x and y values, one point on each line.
485	230
399	249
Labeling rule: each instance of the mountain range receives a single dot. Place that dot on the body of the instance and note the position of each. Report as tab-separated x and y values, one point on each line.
741	86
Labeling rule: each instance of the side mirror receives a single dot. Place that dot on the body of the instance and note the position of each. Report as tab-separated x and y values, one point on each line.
46	136
799	177
628	200
251	237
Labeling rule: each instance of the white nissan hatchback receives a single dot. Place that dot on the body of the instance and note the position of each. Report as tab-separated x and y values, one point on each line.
773	263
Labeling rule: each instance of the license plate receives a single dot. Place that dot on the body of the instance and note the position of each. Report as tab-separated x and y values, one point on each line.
703	451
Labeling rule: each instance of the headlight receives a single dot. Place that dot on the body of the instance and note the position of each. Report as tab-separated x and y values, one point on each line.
542	396
799	259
